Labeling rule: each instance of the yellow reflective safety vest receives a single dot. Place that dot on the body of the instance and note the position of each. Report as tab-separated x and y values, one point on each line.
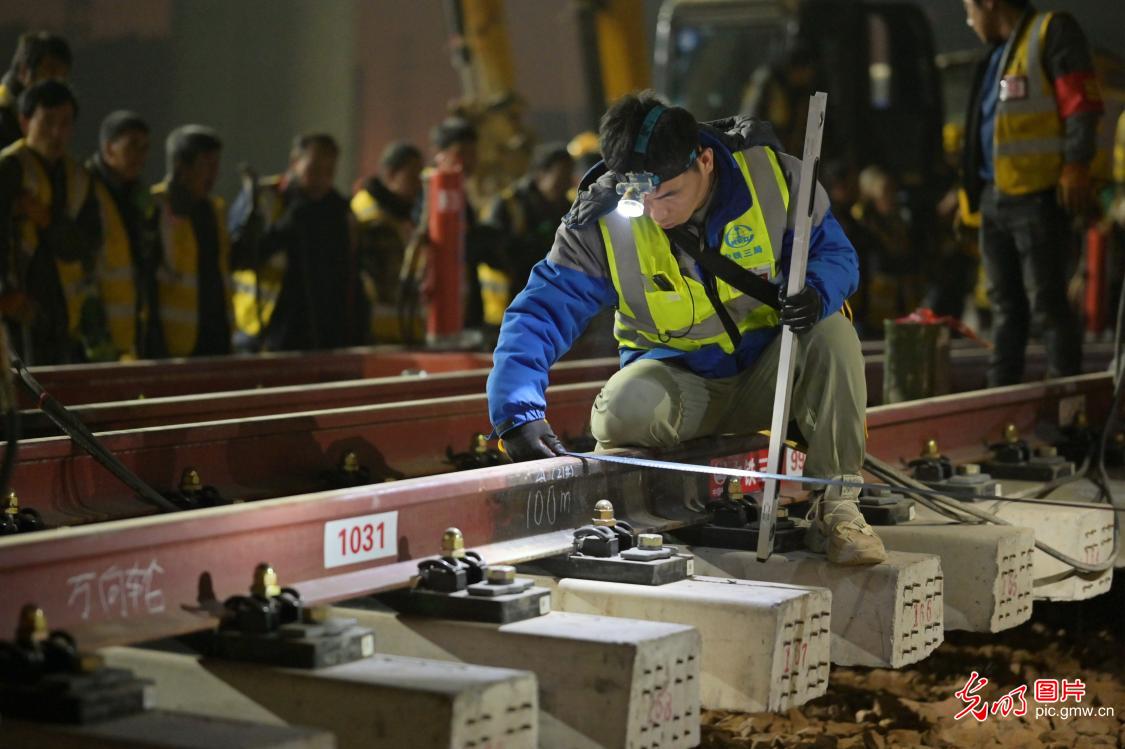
78	283
495	293
1028	141
382	290
495	284
117	277
254	292
658	306
177	278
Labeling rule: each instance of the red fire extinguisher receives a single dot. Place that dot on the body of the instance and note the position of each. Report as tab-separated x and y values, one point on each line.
1096	302
445	266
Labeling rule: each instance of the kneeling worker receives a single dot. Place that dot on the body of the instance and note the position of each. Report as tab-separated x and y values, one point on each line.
699	357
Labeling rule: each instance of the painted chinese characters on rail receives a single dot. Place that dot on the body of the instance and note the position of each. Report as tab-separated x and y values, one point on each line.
117	591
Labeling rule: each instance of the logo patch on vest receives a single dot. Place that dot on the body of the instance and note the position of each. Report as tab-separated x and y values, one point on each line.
1013	87
739	236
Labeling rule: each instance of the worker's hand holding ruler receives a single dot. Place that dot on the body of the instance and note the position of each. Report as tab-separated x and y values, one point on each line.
806	196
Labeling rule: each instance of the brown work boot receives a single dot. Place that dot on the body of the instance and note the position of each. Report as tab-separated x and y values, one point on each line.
837	527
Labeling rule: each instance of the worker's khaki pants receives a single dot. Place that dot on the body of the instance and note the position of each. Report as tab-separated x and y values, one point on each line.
653	403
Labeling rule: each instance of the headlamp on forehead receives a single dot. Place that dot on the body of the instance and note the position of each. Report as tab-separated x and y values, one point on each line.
633	191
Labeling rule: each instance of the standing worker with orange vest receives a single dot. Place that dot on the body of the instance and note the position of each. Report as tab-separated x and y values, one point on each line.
1030	137
194	264
49	235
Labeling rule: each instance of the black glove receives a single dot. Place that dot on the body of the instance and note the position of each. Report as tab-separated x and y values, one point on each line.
802	310
531	441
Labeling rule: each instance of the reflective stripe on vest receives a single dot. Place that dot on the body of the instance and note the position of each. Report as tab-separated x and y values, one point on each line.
364	207
177	278
1029	132
495	293
77	283
660	306
254	292
115	274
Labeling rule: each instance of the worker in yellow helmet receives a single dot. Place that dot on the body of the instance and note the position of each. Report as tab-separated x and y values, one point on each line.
49	235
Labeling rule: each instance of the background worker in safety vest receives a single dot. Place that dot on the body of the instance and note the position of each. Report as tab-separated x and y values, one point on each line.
126	273
385	207
194	256
1029	140
49	235
699	357
295	236
528	212
39	56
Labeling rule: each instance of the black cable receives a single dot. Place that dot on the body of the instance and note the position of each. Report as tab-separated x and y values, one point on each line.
73	427
904	482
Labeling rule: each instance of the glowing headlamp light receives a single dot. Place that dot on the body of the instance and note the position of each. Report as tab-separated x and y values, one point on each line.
633	191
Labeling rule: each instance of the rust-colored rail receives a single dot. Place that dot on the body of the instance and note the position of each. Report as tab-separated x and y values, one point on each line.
241	404
105	383
97	383
143	578
968	373
267	456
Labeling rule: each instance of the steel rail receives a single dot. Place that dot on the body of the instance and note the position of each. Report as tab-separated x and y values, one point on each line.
158	576
118	381
968	372
285	454
127	381
267	456
142	578
241	404
965	424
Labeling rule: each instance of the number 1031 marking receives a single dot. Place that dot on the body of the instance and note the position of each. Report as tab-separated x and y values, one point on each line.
360	539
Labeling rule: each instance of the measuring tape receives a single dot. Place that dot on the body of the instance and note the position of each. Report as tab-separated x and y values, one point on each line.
748	474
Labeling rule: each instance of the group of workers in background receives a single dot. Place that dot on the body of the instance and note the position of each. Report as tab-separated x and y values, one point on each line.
96	266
